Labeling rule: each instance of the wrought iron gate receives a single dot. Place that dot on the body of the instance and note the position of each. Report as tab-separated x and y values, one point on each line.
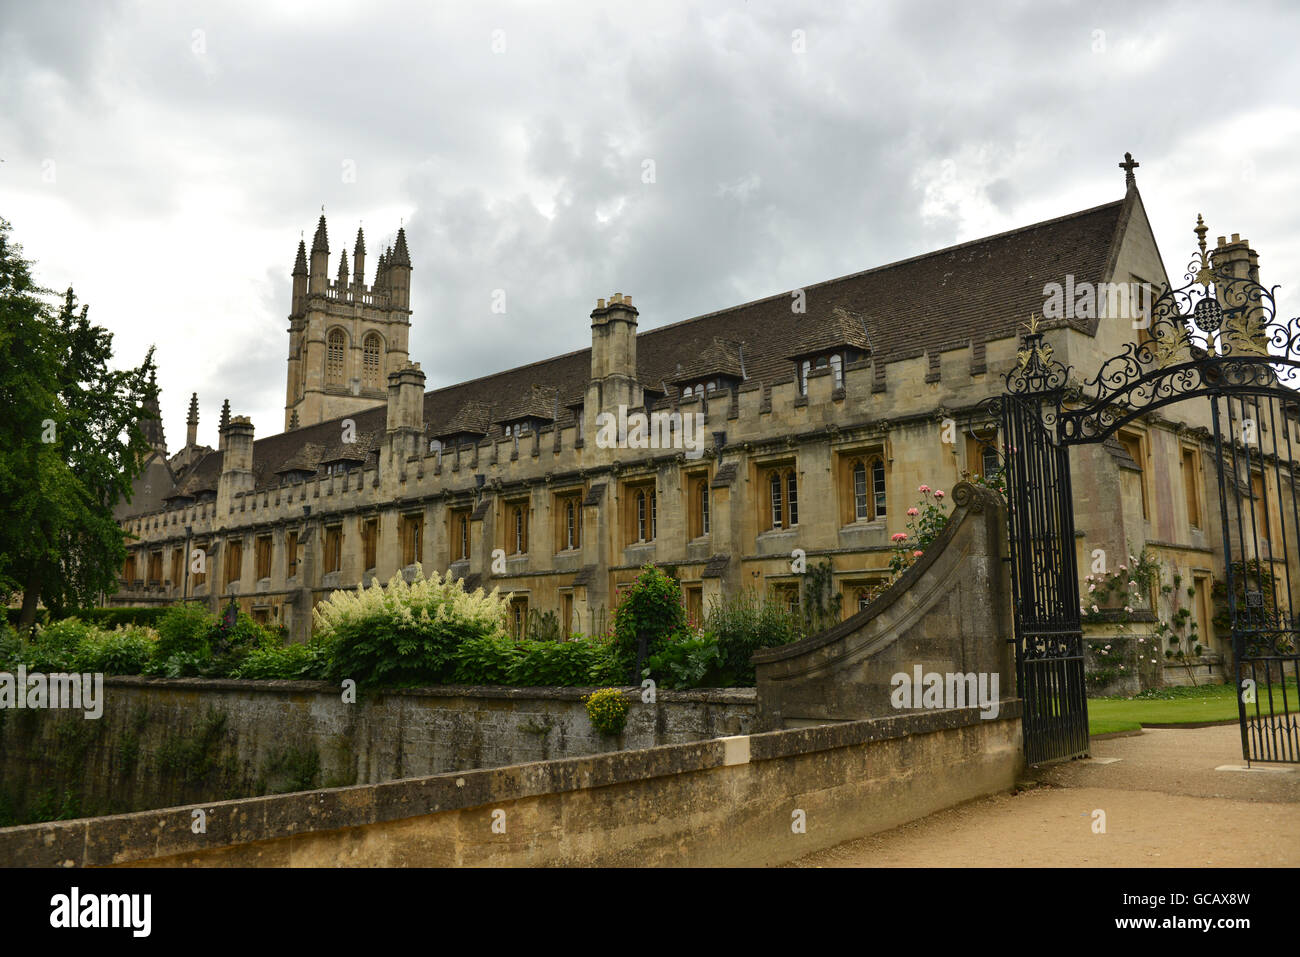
1215	340
1045	586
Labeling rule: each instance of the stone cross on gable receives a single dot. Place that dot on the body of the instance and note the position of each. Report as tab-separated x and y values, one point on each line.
1128	166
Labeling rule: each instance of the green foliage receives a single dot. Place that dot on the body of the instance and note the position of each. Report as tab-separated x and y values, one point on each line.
744	623
300	662
560	663
607	710
184	630
124	651
822	603
693	662
485	660
652	612
70	444
11	648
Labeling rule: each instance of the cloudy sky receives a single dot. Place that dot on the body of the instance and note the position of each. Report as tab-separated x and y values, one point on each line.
165	158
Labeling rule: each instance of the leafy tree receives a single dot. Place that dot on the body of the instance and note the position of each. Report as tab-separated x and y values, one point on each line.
650	615
70	444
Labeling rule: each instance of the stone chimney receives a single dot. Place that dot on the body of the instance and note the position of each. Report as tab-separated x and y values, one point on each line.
405	427
613	360
237	462
1238	260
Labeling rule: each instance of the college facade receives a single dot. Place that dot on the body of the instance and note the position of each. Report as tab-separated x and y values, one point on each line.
718	445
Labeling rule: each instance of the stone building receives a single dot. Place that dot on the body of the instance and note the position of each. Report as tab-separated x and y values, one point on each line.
821	411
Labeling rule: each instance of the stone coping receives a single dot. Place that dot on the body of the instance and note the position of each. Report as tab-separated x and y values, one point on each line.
504	692
967	500
144	835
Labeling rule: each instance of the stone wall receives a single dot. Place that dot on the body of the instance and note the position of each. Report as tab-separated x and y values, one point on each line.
163	742
949	613
739	801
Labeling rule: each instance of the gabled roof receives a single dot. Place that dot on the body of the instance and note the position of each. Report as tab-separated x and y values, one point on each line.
306	459
539	402
719	357
979	290
840	329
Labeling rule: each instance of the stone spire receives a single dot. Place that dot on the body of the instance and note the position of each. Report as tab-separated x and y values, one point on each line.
151	418
192	420
359	259
343	267
224	424
320	242
400	256
300	264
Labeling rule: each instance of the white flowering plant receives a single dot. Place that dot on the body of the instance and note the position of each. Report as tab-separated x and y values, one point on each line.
405	633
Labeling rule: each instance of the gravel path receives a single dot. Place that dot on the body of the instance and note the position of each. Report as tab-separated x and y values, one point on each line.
1165	804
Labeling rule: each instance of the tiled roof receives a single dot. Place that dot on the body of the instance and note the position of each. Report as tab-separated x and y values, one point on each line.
306	459
972	292
840	329
720	357
538	402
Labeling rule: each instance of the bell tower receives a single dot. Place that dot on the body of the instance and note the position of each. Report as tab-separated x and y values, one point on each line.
345	337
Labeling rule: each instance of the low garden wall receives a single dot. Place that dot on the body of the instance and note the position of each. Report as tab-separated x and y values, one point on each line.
742	800
171	741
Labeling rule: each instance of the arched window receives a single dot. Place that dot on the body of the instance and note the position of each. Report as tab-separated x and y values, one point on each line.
837	366
371	348
774	489
878	486
519	528
686	393
783	498
859	492
803	377
435	446
335	351
571	524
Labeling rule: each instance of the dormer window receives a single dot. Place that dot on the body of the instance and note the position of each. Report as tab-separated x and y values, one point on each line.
832	360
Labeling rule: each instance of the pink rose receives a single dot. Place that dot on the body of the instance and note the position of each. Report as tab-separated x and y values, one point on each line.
898	536
939	493
924	489
913	511
916	554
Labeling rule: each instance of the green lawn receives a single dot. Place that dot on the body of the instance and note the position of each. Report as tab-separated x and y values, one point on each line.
1175	706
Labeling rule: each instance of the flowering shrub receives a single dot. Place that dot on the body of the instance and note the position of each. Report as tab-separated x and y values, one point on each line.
607	710
926	521
404	632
